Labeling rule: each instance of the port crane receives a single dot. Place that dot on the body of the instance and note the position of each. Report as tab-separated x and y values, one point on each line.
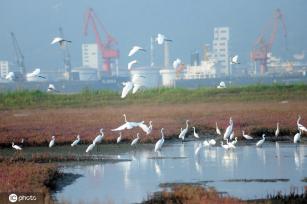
19	56
262	47
107	52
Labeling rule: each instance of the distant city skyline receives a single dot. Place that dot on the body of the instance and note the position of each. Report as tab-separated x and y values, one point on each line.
189	24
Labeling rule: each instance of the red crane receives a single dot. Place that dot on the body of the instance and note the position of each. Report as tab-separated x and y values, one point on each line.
262	48
105	48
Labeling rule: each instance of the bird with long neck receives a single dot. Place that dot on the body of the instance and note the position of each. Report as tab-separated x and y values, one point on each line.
300	126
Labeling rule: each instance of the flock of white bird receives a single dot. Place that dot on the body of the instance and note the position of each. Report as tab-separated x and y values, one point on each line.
228	136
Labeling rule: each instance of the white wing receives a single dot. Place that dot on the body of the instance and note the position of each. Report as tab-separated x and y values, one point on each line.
56	40
176	63
122	127
10	76
234	60
145	128
127	87
228	132
130	64
136	87
160	39
134	50
34	73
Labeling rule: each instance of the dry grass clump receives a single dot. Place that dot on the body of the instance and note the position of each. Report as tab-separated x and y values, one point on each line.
190	194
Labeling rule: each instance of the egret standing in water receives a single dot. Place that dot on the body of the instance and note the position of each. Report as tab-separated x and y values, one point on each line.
229	129
218	132
160	142
99	138
184	131
277	130
51	143
76	141
195	134
246	136
16	147
297	137
90	147
135	140
260	142
119	138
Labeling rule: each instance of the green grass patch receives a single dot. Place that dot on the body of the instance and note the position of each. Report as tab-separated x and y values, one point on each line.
90	98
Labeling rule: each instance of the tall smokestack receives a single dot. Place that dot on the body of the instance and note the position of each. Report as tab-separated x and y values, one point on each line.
166	54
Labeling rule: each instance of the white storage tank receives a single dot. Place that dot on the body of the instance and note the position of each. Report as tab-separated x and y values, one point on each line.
146	77
86	74
168	77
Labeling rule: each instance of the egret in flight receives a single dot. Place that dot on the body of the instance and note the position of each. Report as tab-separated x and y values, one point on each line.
135	49
160	39
10	76
51	88
222	85
234	60
128	85
62	42
130	64
176	63
145	128
34	74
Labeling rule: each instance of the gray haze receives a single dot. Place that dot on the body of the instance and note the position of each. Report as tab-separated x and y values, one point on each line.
188	23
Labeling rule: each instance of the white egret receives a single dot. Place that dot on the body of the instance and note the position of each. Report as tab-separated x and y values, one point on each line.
176	63
76	141
297	137
34	74
231	145
160	39
246	136
145	128
10	76
119	138
235	141
90	147
136	87
184	131
135	140
130	64
135	49
51	88
16	147
234	60
62	42
229	129
195	134
300	126
260	142
222	85
206	143
277	130
128	85
217	129
51	143
225	146
196	152
127	125
160	142
99	137
212	142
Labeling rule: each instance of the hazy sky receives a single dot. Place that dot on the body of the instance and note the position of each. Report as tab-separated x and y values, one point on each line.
189	23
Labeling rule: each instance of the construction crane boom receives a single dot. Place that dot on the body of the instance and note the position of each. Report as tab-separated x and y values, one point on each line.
263	47
108	53
19	56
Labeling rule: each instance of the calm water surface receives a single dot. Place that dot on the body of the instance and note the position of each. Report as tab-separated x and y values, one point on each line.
133	181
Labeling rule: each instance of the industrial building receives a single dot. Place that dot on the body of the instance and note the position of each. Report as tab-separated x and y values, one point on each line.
4	68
